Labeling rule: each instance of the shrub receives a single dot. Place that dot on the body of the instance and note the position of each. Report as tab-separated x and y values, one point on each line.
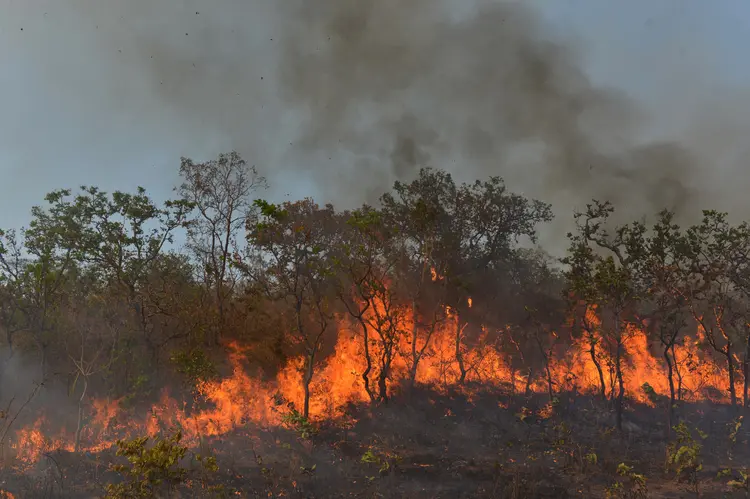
631	486
154	471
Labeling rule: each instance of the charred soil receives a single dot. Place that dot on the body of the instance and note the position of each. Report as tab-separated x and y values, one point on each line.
425	444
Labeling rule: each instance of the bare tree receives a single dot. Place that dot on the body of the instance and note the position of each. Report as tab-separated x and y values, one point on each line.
221	191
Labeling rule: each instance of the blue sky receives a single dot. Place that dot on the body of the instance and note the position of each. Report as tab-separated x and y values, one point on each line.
76	113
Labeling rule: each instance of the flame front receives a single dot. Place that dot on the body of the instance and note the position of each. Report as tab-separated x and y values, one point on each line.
231	403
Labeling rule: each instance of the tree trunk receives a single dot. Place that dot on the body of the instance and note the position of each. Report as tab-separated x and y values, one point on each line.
547	370
415	354
385	368
618	375
529	379
678	373
670	379
368	360
730	368
746	372
459	353
306	380
550	383
220	323
79	426
597	364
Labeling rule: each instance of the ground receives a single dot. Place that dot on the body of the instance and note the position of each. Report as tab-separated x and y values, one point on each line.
436	445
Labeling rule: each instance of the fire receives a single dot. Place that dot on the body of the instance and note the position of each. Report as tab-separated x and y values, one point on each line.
449	358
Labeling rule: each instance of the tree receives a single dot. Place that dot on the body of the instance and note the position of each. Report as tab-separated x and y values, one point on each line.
608	280
93	349
541	290
663	270
12	265
220	190
462	231
419	215
583	299
289	254
715	251
739	275
365	260
118	237
51	241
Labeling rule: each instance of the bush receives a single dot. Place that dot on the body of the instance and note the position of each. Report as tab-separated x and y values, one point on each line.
154	471
631	486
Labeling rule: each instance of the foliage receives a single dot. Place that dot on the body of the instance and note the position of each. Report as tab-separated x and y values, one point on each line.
684	454
734	429
653	397
383	460
298	423
95	289
151	470
195	365
631	486
155	470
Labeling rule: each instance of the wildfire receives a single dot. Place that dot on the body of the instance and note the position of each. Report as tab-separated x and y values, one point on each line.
233	402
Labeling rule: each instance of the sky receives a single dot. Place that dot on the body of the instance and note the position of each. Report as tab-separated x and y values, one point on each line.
336	102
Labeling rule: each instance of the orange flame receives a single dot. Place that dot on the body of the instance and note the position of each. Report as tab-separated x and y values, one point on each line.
239	399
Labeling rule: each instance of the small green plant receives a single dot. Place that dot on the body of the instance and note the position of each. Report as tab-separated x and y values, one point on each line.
569	453
734	430
739	481
154	471
524	414
630	486
384	461
650	393
151	470
292	418
684	455
299	423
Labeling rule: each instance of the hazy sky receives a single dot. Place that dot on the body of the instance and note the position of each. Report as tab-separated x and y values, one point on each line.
113	92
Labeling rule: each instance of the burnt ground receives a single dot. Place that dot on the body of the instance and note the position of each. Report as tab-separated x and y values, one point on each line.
436	446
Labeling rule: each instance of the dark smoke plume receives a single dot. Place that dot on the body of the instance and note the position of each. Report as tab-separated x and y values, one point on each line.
380	88
351	95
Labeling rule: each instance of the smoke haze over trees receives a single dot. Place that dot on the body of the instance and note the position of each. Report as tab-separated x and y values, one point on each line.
341	99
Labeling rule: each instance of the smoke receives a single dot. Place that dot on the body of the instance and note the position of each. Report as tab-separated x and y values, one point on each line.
339	98
23	389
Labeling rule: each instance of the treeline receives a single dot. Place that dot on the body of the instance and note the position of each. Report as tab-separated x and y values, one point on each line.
96	289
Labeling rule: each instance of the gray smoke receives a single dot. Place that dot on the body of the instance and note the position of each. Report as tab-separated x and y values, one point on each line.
352	95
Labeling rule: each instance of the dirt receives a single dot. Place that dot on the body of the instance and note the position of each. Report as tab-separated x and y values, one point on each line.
429	445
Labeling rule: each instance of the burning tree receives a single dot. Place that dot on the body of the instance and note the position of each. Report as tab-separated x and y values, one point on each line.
665	313
717	287
608	280
419	216
289	255
366	259
463	233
